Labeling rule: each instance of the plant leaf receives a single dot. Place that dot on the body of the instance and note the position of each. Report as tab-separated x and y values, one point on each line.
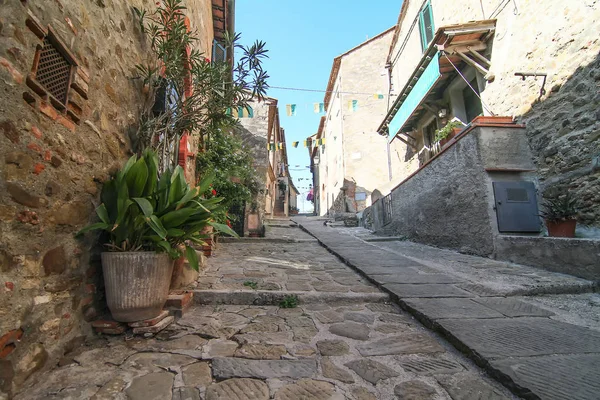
136	178
103	213
192	257
156	226
222	228
145	206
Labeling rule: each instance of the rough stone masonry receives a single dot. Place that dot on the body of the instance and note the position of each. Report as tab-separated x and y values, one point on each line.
52	164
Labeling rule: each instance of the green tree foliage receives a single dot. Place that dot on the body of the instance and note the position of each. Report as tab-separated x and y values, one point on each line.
226	158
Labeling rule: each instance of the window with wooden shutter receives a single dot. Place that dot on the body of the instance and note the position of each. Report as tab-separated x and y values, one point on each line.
426	26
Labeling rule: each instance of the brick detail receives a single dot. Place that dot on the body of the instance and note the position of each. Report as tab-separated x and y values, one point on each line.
9	341
179	299
38	168
150	322
67	123
16	75
35	131
35	26
48	110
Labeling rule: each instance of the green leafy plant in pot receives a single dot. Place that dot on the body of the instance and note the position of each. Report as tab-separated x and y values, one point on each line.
450	130
149	221
560	215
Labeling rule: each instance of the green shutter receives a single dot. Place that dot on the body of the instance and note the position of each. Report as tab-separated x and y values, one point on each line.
422	28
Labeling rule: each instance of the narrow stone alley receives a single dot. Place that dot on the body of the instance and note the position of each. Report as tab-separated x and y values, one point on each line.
343	340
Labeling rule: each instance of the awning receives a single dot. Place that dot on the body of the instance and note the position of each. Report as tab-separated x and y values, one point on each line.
455	44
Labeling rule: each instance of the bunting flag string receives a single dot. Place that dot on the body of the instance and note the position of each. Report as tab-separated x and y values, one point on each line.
306	143
319	108
290	110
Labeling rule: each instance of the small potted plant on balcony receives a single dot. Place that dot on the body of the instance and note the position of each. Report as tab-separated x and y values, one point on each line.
450	130
149	221
560	216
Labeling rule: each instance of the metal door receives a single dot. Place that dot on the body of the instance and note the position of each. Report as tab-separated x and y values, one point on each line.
516	207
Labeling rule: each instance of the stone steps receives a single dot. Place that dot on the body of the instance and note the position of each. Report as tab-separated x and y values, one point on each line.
274	297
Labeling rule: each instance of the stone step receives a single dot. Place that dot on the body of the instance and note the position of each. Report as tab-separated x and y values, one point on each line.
246	239
273	297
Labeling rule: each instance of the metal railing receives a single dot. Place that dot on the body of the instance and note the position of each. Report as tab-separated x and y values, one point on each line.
387	209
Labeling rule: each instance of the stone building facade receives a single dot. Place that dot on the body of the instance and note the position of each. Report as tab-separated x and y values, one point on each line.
352	155
55	152
555	40
263	133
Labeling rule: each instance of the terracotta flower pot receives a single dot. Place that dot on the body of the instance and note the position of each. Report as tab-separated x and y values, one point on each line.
564	228
136	283
455	131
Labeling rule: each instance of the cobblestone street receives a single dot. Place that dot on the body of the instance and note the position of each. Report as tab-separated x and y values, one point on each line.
344	340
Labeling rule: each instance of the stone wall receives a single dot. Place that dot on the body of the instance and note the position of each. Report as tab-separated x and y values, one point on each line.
444	204
449	202
52	165
254	133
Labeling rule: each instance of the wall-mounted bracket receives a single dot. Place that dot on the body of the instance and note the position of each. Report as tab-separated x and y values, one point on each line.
524	75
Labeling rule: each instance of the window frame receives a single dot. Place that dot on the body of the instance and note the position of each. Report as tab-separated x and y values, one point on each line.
217	45
422	29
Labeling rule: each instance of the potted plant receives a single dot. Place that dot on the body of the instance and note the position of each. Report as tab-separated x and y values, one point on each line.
149	221
450	130
560	216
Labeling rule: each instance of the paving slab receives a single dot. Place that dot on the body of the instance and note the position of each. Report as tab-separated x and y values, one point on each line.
522	337
352	330
564	377
224	368
308	389
332	347
415	278
370	370
469	387
430	366
238	389
410	343
414	390
332	371
426	290
154	386
447	308
513	307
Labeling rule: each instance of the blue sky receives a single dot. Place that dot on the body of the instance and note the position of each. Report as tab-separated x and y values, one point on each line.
302	39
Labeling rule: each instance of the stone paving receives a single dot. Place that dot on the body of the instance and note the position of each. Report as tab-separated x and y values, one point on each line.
538	346
340	348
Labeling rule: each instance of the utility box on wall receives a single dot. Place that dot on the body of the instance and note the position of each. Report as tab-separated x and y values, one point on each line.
516	207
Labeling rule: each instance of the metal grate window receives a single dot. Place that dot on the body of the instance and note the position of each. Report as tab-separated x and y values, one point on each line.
387	209
54	71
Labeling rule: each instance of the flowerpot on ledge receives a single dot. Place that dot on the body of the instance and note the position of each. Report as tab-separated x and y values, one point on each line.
562	228
455	132
183	274
136	283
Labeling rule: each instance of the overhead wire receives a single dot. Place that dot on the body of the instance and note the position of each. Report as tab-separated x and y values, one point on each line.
322	91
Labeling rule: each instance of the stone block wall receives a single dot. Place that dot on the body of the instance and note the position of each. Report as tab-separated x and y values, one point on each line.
449	202
444	204
53	163
254	131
